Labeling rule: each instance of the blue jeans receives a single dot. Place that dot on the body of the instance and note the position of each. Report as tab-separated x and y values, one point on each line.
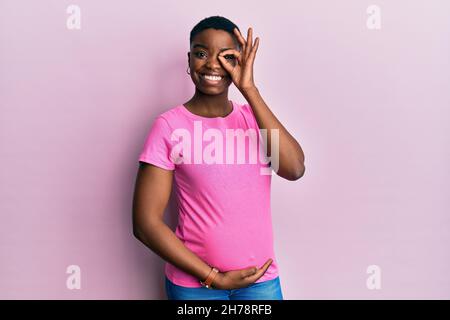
266	290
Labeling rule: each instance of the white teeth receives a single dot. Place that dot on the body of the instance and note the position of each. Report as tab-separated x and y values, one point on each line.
214	78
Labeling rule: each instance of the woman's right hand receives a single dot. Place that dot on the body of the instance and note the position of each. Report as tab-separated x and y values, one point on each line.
241	278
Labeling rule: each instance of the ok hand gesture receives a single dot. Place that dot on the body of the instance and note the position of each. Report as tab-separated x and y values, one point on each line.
241	73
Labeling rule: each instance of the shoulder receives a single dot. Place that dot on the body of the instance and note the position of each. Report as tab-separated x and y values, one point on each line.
170	117
246	112
171	113
245	109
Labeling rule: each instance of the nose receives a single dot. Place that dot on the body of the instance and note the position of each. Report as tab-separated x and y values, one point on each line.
213	62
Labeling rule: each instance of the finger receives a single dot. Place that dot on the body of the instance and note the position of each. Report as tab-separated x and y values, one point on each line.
249	41
240	39
230	51
235	53
252	55
260	272
266	265
226	64
229	66
248	272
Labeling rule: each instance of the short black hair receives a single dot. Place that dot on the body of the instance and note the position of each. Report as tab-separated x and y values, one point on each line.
215	22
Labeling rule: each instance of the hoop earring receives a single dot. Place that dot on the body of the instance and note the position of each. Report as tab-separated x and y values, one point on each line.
187	70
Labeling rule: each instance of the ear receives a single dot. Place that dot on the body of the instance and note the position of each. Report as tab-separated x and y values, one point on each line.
189	58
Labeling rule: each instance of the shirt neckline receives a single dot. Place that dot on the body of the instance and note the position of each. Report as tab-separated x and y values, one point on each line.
196	116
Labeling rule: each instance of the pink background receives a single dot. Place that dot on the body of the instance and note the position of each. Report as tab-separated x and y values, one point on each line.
370	108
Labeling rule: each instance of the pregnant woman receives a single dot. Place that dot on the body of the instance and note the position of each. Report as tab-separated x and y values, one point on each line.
222	247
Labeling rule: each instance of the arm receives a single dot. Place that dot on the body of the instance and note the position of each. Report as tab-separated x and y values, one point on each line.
291	156
151	195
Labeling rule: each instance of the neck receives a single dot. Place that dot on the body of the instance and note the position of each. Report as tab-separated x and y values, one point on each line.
210	105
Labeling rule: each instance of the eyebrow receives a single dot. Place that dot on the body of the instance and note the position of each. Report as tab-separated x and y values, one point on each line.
206	47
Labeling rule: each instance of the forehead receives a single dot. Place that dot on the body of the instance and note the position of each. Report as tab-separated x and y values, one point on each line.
213	38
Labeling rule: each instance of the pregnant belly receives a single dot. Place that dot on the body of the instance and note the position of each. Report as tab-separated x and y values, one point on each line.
235	248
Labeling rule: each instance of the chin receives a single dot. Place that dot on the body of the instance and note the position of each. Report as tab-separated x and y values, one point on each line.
212	91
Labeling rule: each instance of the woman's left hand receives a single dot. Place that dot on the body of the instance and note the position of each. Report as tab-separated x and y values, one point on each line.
241	73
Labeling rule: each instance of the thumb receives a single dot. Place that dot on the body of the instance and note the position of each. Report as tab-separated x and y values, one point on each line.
249	272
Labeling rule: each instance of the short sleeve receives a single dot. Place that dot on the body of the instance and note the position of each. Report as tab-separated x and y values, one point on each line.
157	145
249	113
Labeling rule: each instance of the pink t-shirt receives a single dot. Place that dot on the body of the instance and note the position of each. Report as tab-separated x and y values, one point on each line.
224	205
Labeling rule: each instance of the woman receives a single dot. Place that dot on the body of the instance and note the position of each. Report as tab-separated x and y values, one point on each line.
222	247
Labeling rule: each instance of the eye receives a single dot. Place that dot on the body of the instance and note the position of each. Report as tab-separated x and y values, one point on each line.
199	54
229	57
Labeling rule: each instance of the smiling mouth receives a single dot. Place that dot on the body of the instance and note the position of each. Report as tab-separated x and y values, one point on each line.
211	78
